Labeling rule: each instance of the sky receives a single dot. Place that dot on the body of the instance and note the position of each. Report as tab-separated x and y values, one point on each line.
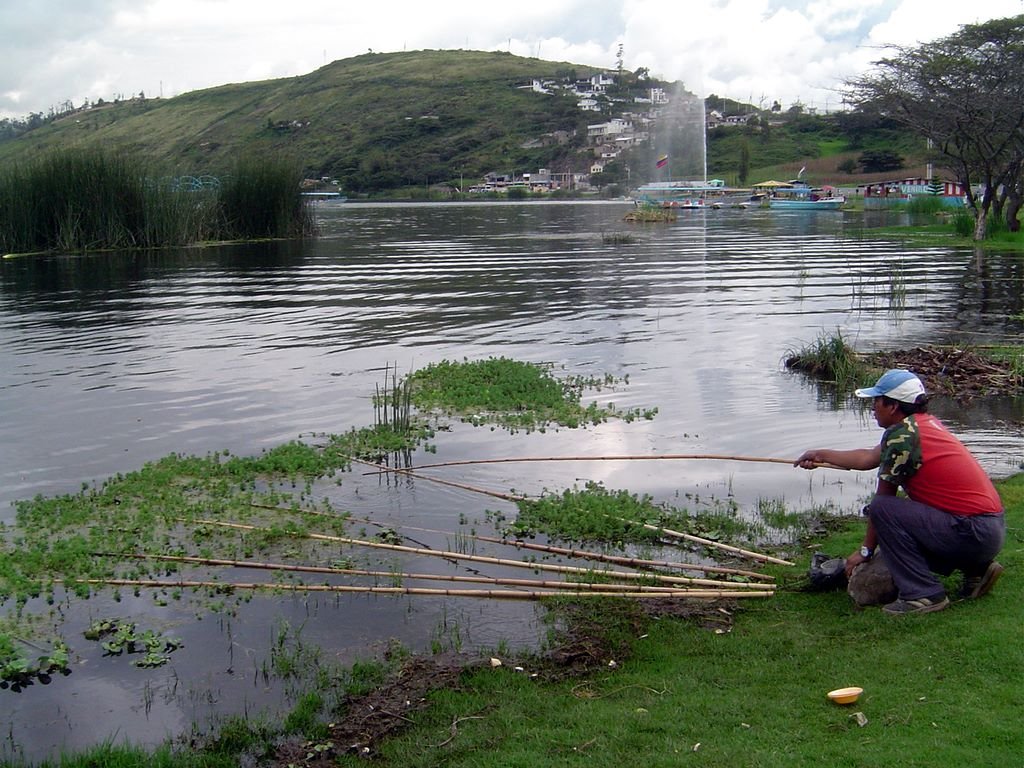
756	51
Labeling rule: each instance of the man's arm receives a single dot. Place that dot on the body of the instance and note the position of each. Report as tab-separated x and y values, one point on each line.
855	458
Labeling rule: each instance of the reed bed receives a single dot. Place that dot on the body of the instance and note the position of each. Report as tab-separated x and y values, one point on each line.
261	198
78	200
829	358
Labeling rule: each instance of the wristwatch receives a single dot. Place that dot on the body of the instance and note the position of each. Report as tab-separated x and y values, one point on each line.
866	552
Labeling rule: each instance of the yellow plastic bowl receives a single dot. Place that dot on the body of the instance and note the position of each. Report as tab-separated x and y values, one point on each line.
845	695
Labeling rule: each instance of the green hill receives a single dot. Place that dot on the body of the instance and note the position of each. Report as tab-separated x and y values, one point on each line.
386	121
374	121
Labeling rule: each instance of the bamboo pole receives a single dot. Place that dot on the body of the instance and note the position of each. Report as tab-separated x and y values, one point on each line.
706	542
666	531
633	562
627	457
487	593
450	483
448	555
289	567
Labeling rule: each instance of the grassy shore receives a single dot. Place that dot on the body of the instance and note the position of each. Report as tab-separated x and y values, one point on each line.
956	227
942	689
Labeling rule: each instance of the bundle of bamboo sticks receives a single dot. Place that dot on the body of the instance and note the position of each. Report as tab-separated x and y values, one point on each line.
577	581
642	582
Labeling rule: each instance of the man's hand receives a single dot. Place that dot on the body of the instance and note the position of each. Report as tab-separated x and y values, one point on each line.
853	561
809	460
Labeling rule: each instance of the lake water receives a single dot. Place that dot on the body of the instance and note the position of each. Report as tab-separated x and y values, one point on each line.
112	360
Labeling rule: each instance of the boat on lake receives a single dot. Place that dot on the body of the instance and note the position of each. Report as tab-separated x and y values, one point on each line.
694	195
674	194
798	195
325	197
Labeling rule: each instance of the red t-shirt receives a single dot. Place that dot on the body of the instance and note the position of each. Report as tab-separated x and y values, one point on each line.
935	468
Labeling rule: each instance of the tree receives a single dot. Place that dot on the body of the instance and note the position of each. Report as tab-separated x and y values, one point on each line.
744	169
879	160
848	166
613	173
965	93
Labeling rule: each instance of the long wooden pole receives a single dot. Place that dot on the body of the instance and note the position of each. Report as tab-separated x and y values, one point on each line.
294	568
448	555
667	531
488	593
633	562
581	554
438	480
706	542
619	457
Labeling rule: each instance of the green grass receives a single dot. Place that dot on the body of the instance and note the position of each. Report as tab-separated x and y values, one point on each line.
118	756
957	228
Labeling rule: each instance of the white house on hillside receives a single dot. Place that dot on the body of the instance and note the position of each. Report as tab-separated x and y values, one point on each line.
613	127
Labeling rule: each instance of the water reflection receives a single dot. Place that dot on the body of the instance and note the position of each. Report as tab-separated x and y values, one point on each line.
111	360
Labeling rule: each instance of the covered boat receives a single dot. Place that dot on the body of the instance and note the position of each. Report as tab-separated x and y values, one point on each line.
798	195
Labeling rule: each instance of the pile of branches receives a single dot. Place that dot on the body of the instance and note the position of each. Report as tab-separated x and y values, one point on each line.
960	373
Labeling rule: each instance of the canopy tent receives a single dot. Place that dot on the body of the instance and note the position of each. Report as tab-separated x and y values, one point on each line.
772	184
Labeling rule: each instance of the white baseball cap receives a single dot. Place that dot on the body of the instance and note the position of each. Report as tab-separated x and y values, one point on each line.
899	384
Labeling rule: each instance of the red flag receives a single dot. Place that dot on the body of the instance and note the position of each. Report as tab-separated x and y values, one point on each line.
662	161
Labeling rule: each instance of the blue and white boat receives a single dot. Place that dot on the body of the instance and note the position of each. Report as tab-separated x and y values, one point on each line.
797	195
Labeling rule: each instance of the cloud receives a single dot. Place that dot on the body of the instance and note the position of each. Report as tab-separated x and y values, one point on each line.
743	49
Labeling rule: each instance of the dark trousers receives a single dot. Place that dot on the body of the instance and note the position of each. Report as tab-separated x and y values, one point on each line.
920	542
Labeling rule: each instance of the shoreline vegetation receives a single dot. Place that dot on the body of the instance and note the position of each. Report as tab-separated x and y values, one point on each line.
662	680
87	200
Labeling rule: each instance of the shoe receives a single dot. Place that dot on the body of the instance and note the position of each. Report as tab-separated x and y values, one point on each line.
921	605
978	586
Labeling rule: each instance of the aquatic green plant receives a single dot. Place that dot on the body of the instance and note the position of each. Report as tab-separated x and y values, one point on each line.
897	286
617	238
509	393
595	513
926	204
123	637
17	670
